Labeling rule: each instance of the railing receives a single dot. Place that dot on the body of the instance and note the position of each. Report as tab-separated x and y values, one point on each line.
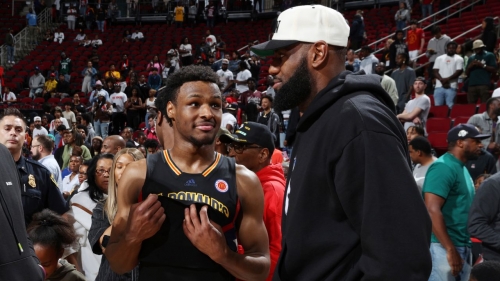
453	39
433	16
23	41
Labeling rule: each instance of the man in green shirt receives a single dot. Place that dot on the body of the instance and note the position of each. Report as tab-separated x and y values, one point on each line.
448	193
65	67
479	68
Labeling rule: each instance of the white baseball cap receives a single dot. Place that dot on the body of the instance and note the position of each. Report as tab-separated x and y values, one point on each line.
310	24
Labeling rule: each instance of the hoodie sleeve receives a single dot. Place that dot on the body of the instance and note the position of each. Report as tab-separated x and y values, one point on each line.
483	214
380	197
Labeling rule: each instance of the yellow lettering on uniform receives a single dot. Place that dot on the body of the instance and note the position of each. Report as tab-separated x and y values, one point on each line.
190	196
181	195
172	195
199	198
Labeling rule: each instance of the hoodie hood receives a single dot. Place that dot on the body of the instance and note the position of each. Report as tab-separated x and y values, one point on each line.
271	173
344	84
62	271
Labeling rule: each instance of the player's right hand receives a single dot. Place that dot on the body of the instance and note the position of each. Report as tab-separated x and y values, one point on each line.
455	261
145	218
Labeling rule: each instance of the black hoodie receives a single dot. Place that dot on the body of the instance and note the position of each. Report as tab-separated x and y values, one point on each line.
352	209
18	261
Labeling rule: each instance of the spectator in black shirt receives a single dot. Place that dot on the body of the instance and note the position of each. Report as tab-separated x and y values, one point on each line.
489	36
484	164
62	88
79	107
143	86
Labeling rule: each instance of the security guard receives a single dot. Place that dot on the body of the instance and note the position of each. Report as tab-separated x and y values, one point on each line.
39	189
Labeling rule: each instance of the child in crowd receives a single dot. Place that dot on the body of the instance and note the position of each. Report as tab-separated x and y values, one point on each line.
50	233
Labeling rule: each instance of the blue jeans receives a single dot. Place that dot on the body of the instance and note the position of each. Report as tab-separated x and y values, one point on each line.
10	53
400	24
441	270
101	129
442	95
100	25
426	10
35	92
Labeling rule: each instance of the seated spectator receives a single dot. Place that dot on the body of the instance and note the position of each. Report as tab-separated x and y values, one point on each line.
50	234
112	74
50	71
486	121
137	36
50	86
80	37
352	60
8	96
95	43
58	36
151	146
71	182
126	36
62	88
49	37
36	83
154	79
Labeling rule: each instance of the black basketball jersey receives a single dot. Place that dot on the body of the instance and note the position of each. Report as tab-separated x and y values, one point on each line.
169	255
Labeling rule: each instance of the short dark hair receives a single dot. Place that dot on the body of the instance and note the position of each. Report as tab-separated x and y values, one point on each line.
349	67
367	48
152	116
175	81
485	270
46	142
270	98
406	56
421	144
84	128
14	112
95	193
151	143
86	117
413	21
243	64
489	102
436	29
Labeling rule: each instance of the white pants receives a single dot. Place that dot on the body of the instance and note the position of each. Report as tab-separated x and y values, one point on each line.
413	54
86	85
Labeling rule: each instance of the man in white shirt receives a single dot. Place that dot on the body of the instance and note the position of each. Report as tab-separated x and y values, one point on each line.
8	96
447	69
39	130
270	83
387	82
80	37
417	109
118	117
137	36
421	155
369	60
41	151
225	76
58	36
496	93
242	77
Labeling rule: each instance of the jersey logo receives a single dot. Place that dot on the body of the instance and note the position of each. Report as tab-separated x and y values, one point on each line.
190	182
221	186
8	183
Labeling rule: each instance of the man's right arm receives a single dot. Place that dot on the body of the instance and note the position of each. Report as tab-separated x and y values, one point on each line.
133	222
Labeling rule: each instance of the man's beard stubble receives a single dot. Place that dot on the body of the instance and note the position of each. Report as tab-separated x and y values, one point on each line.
296	90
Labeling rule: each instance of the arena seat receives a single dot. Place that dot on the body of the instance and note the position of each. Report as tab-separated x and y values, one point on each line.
439	142
438	125
463	110
441	111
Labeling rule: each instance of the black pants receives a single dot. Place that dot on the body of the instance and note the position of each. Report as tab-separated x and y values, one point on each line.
133	119
118	119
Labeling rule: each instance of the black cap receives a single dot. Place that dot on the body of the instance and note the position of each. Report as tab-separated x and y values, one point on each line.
232	106
465	131
421	79
252	133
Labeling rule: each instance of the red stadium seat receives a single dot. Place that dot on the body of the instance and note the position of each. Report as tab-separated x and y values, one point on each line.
26	100
65	100
53	100
460	120
439	142
38	100
439	111
482	108
438	125
463	110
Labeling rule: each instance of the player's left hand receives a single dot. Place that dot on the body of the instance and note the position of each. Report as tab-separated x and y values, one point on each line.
206	235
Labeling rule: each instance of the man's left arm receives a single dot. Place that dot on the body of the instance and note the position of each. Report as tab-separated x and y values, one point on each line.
483	213
208	236
422	43
375	196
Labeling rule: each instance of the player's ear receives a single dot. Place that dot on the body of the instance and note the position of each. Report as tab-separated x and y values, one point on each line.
171	111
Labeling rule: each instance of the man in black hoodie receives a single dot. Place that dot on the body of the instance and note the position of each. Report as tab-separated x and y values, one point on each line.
18	261
352	209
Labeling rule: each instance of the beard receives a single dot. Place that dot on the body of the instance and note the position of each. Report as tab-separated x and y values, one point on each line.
381	73
296	90
208	140
450	54
470	155
36	156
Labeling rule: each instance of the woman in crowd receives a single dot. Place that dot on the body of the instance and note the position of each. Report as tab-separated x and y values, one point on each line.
72	139
58	115
186	52
126	36
352	60
155	62
102	111
83	203
150	106
96	146
50	234
134	107
386	57
489	36
104	214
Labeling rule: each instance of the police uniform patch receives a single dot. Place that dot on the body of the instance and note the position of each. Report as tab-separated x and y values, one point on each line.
53	179
31	181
